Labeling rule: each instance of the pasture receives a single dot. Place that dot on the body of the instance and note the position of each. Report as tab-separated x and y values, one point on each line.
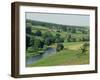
70	56
69	45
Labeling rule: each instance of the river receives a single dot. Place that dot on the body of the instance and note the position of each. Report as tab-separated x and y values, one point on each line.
46	53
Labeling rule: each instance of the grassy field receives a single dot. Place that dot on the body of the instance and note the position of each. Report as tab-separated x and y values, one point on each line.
63	34
70	55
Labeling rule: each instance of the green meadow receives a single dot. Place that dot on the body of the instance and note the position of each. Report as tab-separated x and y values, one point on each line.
70	42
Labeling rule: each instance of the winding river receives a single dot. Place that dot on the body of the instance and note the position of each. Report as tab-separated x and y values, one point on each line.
46	53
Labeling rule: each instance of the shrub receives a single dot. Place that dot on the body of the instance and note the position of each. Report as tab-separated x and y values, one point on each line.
59	47
69	38
48	41
27	41
30	50
73	40
38	33
73	30
84	48
28	28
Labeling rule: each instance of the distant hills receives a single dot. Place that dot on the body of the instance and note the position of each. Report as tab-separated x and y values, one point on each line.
34	22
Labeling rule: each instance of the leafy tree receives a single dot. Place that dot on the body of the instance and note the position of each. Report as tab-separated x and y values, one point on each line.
38	33
48	41
79	39
59	47
58	31
69	37
85	38
69	29
84	31
73	30
27	41
32	41
61	40
58	38
29	50
84	48
47	34
58	35
28	32
73	39
48	38
37	43
28	28
41	44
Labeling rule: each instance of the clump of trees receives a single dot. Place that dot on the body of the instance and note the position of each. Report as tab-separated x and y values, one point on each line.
84	48
59	41
60	47
71	39
38	40
73	30
60	27
28	33
38	33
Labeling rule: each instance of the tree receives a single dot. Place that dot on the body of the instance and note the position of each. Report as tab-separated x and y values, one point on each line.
48	38
84	48
37	43
48	41
58	35
41	44
59	47
73	39
80	39
27	41
69	29
28	28
58	39
38	33
69	37
85	38
85	31
61	40
28	32
32	41
47	34
73	30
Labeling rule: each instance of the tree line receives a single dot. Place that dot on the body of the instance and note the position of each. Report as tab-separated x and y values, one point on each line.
39	40
60	27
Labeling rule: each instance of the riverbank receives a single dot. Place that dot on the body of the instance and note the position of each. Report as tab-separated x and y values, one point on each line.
70	55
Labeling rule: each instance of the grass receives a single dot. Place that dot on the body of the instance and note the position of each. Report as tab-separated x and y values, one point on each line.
73	45
70	55
64	57
39	27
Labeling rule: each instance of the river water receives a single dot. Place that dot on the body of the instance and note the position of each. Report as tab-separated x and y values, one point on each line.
46	53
